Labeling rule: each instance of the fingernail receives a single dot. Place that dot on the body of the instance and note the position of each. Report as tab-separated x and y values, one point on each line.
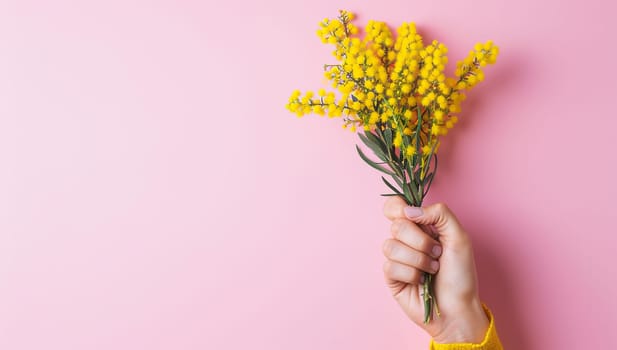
412	212
435	265
436	250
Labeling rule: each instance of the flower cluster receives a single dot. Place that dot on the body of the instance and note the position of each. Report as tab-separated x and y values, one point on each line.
396	83
397	91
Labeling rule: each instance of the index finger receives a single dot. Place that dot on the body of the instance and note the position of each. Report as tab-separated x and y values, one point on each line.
393	208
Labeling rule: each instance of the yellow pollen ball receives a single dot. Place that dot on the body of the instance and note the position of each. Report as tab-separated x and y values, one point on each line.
398	140
410	150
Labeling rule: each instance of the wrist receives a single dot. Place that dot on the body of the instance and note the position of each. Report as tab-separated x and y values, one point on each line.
468	325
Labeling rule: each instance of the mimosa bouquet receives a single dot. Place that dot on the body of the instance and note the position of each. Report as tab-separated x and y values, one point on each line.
395	92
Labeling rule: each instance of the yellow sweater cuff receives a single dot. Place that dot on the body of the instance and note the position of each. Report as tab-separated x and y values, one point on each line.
490	342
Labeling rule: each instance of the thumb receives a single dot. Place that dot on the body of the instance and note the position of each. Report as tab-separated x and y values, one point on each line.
440	217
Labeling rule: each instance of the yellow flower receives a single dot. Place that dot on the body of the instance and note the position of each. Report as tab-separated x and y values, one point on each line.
410	151
435	130
318	109
358	73
398	140
329	99
392	81
343	101
374	118
468	70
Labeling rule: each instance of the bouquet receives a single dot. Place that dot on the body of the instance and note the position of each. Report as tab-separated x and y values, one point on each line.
394	93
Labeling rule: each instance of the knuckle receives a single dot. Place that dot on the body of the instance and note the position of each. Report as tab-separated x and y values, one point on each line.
387	247
426	244
414	276
392	207
441	207
388	207
430	265
420	261
387	268
385	209
395	228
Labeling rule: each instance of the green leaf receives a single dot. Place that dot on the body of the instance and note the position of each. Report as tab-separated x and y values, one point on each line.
396	190
376	140
416	173
397	157
365	139
411	199
388	137
373	164
418	128
374	147
389	194
413	175
413	188
399	182
435	166
428	179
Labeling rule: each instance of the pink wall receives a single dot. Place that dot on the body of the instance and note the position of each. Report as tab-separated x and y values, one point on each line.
155	194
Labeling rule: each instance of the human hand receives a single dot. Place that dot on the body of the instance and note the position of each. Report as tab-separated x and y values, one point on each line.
412	250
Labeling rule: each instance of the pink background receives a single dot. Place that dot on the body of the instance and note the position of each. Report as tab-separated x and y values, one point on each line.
155	194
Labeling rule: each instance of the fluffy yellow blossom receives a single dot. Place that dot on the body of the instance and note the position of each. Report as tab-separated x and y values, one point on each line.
398	140
398	82
410	151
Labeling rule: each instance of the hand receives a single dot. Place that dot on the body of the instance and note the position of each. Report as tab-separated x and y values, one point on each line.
412	250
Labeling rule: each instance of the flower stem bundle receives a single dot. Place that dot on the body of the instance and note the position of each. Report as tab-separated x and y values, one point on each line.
394	92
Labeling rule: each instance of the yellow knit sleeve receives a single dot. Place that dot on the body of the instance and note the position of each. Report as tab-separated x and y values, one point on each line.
490	342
